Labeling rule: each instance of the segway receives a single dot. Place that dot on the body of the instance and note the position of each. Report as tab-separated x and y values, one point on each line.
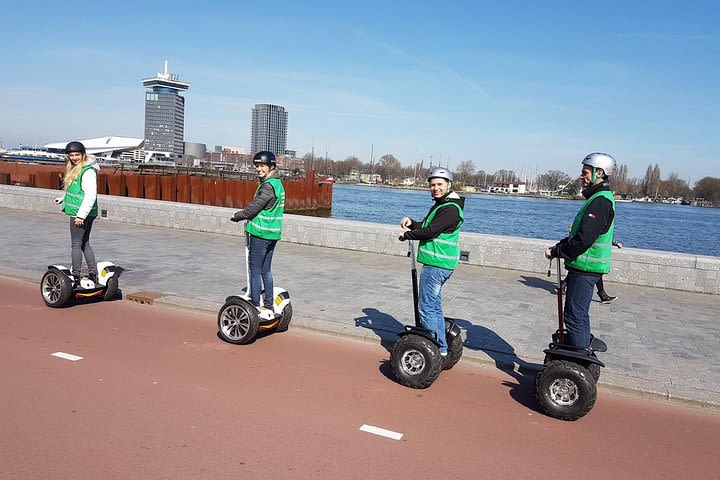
415	358
56	286
239	321
566	388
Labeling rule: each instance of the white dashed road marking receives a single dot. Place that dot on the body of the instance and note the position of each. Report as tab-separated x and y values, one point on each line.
381	431
67	356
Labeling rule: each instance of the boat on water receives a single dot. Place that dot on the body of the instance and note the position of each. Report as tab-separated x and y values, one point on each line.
32	154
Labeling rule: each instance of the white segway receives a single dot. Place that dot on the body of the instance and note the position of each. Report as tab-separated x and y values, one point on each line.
239	321
56	286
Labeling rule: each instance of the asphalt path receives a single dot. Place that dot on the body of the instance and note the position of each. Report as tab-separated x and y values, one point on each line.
158	395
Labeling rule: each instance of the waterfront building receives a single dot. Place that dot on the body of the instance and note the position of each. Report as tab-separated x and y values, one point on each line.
109	148
164	115
509	187
269	129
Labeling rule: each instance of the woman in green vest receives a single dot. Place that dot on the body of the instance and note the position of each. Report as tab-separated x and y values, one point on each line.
80	203
264	215
587	250
438	250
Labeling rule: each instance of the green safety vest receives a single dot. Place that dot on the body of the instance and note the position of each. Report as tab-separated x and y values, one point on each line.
443	251
595	259
74	196
268	223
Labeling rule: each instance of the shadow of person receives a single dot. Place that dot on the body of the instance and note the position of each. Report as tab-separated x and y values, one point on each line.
385	326
503	354
536	282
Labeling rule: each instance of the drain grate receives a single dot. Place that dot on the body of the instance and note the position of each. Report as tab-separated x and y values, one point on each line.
145	298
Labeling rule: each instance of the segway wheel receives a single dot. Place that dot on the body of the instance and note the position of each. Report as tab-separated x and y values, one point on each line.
238	322
56	288
415	360
285	318
111	288
593	368
565	390
455	351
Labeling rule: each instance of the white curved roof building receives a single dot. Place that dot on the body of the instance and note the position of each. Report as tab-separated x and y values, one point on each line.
102	146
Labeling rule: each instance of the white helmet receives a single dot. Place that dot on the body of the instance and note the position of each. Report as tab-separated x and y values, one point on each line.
600	160
440	172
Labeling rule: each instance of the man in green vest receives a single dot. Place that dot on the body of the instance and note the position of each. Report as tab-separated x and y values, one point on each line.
438	250
587	250
264	215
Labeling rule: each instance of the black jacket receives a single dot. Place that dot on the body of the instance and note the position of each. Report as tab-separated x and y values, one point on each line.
597	220
445	220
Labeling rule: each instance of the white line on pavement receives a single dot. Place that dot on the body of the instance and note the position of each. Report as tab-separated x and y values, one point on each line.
67	356
381	431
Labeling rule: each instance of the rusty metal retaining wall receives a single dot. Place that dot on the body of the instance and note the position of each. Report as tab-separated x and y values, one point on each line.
300	195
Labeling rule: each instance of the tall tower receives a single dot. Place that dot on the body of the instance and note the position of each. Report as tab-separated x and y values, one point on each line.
269	129
165	114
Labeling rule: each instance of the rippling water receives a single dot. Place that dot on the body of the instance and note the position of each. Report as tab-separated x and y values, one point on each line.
674	228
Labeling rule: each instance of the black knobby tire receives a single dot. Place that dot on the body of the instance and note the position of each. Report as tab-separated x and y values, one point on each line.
55	288
238	322
565	390
285	318
416	362
593	368
111	288
455	351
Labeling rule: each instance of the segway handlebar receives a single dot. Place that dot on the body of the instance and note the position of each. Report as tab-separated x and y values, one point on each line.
413	274
561	325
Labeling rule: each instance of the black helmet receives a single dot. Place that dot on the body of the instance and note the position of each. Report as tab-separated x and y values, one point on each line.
74	147
266	157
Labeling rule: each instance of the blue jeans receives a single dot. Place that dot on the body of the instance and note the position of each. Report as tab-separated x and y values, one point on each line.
261	253
432	280
579	293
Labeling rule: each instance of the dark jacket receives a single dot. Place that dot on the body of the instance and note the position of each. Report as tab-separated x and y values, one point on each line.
445	220
264	199
597	220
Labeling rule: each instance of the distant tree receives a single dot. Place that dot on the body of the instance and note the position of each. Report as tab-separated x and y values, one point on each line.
464	173
675	187
505	176
343	167
708	189
552	180
389	167
619	179
651	183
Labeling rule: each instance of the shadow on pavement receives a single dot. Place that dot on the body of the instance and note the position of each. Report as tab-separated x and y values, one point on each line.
383	325
503	354
536	282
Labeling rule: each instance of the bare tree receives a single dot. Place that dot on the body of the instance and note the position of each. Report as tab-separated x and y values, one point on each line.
464	172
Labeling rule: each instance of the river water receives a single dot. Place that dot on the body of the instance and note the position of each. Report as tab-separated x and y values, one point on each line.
673	228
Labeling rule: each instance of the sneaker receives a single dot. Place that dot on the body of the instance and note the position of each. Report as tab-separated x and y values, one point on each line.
605	298
93	277
443	354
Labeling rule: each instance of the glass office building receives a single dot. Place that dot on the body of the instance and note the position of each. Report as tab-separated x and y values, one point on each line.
165	114
269	129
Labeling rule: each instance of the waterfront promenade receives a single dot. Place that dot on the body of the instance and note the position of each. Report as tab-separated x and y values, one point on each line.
663	344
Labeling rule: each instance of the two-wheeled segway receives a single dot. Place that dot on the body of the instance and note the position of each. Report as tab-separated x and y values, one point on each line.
57	286
415	358
239	321
566	386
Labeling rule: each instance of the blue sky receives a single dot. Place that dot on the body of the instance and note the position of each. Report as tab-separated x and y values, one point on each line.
527	86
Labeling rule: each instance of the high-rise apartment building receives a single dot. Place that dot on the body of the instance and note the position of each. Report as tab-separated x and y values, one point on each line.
269	129
165	114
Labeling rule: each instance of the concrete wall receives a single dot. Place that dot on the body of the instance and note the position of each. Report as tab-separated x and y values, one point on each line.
694	273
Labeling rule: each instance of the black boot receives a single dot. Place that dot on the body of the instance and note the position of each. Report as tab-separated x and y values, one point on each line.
93	277
605	298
